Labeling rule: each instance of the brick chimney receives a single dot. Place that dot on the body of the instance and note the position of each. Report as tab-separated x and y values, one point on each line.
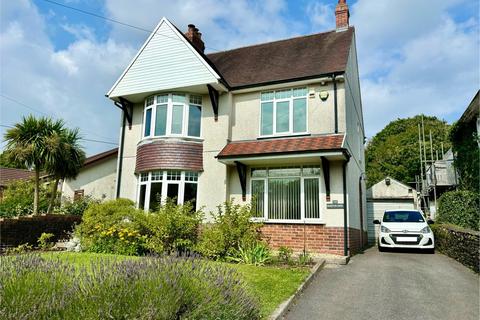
195	37
342	15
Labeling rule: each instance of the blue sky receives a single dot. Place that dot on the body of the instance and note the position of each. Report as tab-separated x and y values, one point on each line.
414	56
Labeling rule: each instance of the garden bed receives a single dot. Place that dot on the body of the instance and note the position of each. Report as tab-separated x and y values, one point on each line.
263	287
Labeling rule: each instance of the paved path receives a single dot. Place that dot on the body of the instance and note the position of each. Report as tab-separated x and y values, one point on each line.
391	286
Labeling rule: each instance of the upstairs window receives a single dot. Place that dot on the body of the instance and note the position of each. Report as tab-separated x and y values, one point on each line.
283	112
173	114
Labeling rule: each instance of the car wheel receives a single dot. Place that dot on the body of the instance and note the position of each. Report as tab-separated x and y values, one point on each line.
431	251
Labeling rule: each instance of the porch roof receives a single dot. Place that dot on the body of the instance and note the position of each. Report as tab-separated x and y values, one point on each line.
284	147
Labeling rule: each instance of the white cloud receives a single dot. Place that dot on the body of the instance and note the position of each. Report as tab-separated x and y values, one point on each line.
68	83
414	58
79	31
225	24
321	15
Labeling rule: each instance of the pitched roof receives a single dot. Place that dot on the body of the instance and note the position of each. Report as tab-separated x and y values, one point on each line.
285	145
100	156
11	174
296	58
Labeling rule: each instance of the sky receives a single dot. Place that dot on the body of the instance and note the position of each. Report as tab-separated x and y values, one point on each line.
415	56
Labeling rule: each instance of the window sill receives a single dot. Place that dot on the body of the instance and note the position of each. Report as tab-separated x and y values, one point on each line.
271	221
304	134
157	138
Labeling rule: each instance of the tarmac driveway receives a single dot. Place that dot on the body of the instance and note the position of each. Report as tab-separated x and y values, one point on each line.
391	286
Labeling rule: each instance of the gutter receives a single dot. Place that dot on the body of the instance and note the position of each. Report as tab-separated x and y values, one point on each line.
120	155
320	77
345	217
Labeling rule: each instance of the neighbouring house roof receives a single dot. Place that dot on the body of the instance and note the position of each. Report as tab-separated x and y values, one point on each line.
296	58
100	157
11	174
393	190
284	145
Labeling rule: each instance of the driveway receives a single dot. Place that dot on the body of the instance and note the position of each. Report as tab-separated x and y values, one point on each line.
392	285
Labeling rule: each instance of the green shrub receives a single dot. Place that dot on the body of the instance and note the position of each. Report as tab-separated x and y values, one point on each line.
45	240
459	244
22	248
172	228
460	208
76	207
231	228
285	254
18	199
257	254
112	227
304	259
149	288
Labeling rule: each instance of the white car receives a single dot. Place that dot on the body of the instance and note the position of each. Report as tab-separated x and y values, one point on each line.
405	229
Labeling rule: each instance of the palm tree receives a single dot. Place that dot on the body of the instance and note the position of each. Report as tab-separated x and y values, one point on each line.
65	159
27	146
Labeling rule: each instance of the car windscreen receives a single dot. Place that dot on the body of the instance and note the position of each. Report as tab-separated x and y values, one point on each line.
403	216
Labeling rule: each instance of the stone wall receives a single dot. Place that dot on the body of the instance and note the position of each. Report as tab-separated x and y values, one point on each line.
460	244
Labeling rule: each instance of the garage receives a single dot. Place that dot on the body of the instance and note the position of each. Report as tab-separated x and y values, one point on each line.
388	194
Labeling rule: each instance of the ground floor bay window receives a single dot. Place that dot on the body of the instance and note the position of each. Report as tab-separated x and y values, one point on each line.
156	186
287	194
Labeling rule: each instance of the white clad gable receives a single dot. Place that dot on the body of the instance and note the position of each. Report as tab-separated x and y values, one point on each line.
166	61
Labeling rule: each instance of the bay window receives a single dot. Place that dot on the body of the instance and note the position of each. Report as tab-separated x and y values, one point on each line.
283	112
173	114
156	186
286	194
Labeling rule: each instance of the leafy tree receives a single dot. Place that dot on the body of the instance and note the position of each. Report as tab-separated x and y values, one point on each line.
5	162
464	137
64	159
40	144
18	197
394	151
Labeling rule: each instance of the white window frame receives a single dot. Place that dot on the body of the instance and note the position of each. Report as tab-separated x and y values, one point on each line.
290	100
165	182
169	104
302	219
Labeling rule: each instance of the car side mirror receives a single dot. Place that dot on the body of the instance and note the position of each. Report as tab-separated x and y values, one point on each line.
376	222
429	221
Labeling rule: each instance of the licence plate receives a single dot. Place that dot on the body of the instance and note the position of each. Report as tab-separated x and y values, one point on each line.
407	239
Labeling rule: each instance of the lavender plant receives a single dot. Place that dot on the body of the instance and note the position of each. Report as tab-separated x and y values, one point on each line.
149	288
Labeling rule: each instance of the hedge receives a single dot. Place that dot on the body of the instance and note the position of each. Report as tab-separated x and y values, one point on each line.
459	244
20	230
460	208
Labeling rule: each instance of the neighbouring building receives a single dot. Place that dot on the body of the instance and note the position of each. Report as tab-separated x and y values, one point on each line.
278	122
388	194
96	179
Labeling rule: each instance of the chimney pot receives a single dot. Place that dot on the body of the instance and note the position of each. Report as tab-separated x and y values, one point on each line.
342	15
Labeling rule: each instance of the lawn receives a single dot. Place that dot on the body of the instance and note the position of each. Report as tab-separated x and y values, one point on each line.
271	285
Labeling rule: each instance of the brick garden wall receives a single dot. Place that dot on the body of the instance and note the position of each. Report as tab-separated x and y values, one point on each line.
354	240
16	231
317	238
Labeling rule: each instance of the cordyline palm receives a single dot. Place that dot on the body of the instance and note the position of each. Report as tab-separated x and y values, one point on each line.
65	158
26	146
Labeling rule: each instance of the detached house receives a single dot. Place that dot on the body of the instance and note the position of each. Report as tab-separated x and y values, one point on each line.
278	122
